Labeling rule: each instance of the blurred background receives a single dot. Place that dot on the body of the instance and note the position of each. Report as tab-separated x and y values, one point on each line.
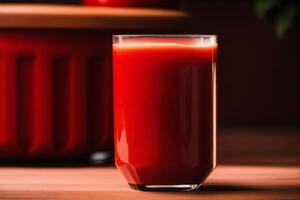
259	84
258	67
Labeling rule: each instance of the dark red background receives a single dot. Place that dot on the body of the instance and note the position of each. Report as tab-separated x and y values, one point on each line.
259	74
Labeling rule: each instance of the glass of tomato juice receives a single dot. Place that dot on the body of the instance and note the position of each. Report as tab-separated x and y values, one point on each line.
165	110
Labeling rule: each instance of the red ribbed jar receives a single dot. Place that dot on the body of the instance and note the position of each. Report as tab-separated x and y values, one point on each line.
55	93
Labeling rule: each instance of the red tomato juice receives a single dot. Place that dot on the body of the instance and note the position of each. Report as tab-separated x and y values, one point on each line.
165	112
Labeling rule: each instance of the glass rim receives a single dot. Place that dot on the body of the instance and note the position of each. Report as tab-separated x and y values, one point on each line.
204	38
167	35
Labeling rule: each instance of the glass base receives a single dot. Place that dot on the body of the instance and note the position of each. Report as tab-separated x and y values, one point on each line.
169	188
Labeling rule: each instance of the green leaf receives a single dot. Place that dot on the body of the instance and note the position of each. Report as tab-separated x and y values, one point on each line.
263	6
285	19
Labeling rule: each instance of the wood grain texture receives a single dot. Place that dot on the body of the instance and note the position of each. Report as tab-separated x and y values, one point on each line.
231	182
70	17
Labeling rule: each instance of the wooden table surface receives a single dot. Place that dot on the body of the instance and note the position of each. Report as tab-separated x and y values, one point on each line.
84	17
227	181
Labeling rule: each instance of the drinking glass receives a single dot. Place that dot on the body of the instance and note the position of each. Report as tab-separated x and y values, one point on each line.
165	110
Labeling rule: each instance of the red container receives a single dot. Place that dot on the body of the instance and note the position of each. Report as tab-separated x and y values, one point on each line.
133	3
55	93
